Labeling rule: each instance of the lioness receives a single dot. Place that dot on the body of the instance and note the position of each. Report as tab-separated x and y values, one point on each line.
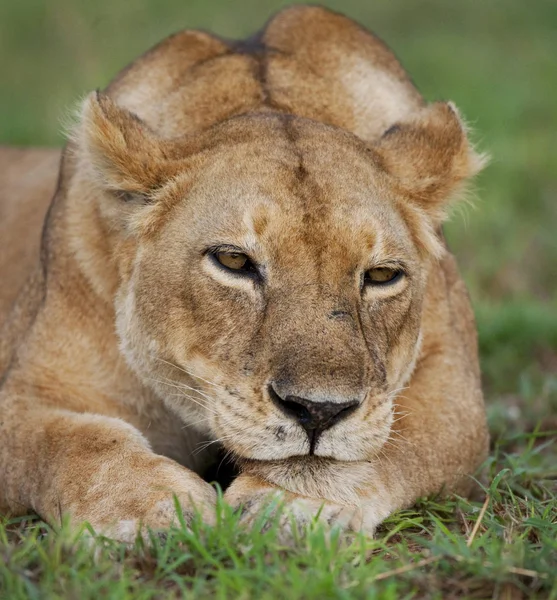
244	248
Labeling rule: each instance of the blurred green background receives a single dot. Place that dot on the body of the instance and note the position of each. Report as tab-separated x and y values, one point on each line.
497	59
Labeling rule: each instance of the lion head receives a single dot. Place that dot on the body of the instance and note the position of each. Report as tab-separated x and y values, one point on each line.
273	211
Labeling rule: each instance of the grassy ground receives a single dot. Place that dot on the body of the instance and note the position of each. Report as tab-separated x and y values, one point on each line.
496	60
505	547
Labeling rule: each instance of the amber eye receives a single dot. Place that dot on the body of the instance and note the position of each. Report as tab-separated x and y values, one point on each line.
382	276
234	261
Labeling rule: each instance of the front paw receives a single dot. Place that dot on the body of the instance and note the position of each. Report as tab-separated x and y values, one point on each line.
259	502
145	499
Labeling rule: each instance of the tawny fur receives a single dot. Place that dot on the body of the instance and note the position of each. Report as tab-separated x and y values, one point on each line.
128	351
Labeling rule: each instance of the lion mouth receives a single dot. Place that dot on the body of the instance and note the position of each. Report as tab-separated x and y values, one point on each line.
298	465
225	467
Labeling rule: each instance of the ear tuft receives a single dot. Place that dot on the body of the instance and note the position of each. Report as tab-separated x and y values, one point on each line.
124	154
431	156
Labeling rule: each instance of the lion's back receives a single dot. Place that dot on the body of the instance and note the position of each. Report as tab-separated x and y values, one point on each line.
27	182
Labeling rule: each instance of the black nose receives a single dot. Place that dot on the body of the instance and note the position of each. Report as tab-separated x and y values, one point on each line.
314	416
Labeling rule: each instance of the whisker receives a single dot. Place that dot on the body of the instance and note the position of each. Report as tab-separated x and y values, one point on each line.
402	437
182	386
400	389
227	456
399	409
401	397
401	443
395	395
204	445
185	395
187	387
193	398
194	423
382	454
392	444
204	419
401	417
191	373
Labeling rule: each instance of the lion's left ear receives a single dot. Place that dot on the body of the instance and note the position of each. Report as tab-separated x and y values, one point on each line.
431	156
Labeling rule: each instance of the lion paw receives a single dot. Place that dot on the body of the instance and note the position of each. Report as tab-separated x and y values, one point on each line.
259	502
138	505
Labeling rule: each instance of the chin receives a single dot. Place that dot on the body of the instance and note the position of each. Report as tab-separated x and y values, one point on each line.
315	476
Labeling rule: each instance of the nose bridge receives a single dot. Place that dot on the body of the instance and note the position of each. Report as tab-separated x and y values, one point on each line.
319	348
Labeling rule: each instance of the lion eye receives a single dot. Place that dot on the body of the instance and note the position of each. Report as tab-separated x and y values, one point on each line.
382	276
235	261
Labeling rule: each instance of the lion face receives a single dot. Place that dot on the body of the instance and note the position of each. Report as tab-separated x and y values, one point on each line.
272	273
285	287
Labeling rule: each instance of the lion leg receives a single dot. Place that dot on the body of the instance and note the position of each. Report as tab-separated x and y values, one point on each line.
93	468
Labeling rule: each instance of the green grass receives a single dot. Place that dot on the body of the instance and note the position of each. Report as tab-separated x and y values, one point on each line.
439	549
496	60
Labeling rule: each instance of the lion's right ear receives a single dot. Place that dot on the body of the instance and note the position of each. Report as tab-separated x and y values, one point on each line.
125	156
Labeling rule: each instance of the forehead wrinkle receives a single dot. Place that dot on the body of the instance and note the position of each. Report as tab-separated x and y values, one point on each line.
313	203
377	222
323	212
256	223
396	238
345	197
